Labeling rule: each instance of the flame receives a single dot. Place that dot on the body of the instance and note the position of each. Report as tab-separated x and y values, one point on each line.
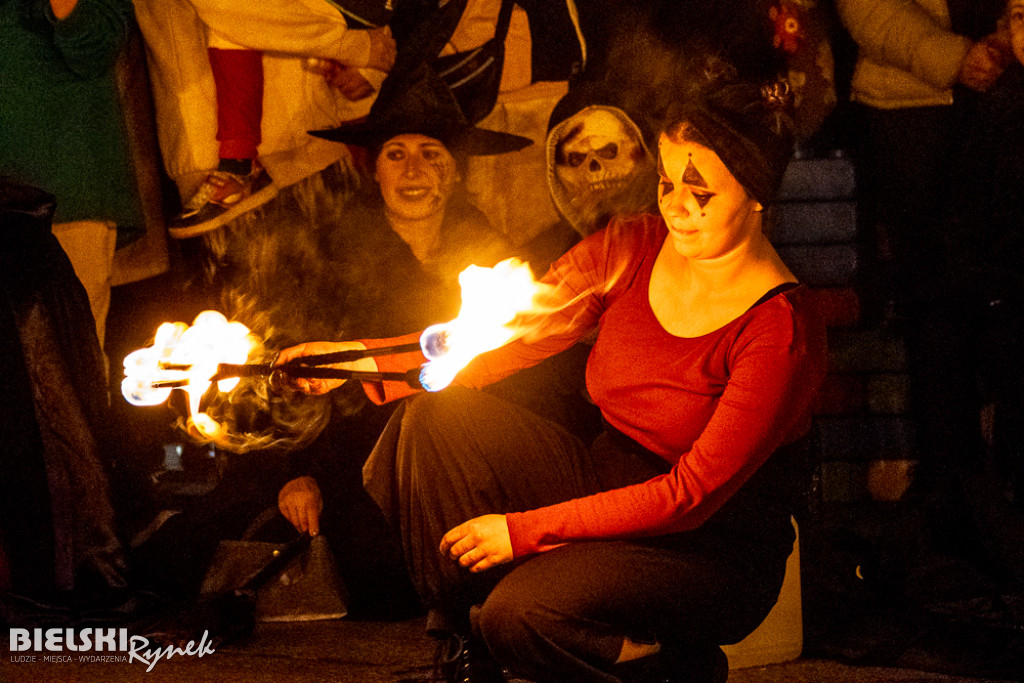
187	357
491	300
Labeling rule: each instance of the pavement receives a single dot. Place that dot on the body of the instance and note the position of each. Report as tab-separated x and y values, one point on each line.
346	651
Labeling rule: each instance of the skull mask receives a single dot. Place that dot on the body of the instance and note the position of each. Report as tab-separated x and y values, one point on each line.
597	159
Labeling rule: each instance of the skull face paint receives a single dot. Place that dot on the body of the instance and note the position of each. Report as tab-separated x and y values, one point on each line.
596	162
417	175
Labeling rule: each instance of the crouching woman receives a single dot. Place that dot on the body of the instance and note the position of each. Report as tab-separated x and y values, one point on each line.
635	556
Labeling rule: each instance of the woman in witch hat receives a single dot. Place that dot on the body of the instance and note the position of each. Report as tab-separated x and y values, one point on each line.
418	140
389	260
382	261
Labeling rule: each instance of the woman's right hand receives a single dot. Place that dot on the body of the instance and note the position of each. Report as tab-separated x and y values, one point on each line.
982	65
347	80
319	385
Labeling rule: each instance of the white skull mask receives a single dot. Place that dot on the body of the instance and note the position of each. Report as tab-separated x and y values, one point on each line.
597	159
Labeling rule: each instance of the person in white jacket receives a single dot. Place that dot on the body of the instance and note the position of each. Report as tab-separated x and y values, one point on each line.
230	76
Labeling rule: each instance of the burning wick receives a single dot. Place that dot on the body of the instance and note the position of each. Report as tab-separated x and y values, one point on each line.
187	358
434	342
491	300
214	351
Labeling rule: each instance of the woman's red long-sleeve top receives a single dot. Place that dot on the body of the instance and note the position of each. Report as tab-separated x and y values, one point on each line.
715	407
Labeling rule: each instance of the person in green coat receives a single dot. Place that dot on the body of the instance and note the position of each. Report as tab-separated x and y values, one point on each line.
61	127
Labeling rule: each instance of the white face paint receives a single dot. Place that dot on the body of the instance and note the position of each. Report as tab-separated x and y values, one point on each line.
1015	10
707	211
599	156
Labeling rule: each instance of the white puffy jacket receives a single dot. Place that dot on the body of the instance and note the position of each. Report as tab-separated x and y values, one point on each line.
907	54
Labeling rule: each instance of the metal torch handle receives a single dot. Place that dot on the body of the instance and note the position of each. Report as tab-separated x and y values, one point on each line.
354	354
226	371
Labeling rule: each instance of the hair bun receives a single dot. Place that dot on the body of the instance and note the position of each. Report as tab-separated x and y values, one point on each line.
777	96
747	123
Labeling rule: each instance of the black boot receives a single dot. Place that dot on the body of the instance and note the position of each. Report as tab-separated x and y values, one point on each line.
672	665
461	659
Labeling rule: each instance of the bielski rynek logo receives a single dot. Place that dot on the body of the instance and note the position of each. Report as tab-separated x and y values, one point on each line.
95	645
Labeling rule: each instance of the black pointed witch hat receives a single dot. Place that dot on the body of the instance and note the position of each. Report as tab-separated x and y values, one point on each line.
419	101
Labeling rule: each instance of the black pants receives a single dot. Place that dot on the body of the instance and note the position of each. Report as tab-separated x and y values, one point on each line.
910	176
561	615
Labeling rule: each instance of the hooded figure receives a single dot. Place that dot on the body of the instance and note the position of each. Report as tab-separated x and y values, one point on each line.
598	161
59	528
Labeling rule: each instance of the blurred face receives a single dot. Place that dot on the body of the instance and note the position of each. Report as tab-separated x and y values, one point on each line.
708	213
1015	9
416	175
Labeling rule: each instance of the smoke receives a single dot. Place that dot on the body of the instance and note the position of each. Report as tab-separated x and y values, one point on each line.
284	275
656	53
276	266
321	263
253	417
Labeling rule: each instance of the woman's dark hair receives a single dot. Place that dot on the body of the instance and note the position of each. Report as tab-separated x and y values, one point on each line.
684	131
747	124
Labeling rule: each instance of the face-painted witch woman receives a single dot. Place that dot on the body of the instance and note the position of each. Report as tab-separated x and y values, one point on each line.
388	261
326	263
631	558
371	253
412	212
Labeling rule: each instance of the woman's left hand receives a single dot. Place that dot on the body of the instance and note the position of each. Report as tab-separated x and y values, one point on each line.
480	543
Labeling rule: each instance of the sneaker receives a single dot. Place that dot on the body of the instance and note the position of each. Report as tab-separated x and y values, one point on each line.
221	198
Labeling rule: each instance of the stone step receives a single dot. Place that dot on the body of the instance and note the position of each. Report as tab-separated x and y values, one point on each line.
828	178
843	481
831	265
868	351
865	437
889	394
818	222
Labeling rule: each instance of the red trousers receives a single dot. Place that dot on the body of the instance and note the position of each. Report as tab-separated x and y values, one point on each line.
238	76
